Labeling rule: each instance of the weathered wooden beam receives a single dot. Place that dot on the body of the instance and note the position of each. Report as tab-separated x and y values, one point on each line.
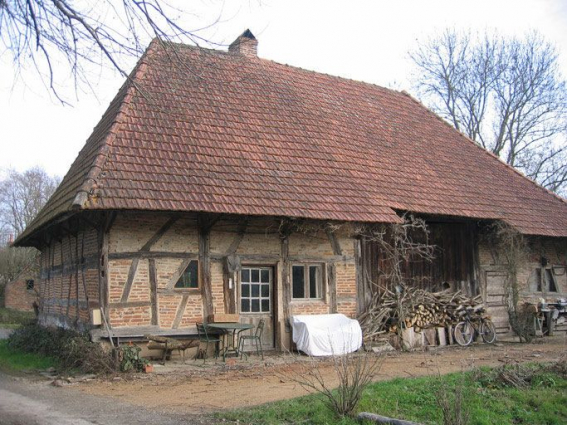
205	264
332	281
151	254
322	259
158	235
130	304
103	236
206	221
180	311
91	262
241	231
286	289
130	280
153	290
173	280
334	241
360	286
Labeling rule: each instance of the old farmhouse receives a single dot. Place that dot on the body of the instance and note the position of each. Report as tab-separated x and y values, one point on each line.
219	182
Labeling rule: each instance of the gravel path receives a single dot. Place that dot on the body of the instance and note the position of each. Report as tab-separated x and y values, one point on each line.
28	402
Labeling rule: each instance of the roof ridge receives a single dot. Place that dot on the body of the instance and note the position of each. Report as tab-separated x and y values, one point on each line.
484	150
86	189
295	67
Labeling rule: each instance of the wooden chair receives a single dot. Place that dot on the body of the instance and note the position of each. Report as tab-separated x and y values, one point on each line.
255	339
206	338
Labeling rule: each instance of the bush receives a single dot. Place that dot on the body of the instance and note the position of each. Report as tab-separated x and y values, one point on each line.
353	372
73	350
519	376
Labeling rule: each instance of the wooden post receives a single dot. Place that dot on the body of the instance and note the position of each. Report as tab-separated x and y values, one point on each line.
153	290
205	225
360	286
332	270
230	293
332	279
286	290
103	235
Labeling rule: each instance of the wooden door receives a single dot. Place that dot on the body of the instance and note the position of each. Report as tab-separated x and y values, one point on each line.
256	293
495	299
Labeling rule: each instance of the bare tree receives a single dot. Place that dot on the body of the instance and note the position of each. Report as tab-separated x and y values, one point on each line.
506	94
22	195
47	34
13	262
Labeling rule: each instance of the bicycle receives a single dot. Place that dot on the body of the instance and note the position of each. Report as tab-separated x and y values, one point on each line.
465	331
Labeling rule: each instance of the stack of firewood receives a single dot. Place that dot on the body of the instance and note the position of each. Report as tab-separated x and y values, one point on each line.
416	308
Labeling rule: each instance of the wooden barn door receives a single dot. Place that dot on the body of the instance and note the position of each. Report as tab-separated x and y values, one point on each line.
495	299
257	300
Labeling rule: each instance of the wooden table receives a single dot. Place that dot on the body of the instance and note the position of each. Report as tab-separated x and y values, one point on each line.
234	330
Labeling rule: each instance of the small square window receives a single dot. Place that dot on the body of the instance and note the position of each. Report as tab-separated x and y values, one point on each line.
30	284
190	276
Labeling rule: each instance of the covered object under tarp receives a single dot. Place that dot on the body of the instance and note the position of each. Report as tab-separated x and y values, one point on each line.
326	334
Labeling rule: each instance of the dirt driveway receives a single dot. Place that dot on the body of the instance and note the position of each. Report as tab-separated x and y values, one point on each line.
194	388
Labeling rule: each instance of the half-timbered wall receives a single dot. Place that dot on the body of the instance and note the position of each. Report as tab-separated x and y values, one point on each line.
69	279
148	252
544	254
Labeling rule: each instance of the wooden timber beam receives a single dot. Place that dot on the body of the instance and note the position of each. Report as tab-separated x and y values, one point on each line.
158	235
360	287
180	310
151	254
136	261
206	222
230	292
153	291
332	269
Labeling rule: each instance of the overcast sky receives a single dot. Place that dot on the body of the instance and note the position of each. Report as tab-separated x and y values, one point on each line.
360	39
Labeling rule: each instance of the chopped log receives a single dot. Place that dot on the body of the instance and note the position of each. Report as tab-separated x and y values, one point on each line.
418	309
372	417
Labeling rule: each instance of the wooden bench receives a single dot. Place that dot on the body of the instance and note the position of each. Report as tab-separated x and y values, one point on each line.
168	344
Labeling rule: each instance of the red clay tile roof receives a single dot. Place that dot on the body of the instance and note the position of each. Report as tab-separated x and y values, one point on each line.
220	132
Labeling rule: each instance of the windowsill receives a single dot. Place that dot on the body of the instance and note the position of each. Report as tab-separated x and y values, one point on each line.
191	291
308	300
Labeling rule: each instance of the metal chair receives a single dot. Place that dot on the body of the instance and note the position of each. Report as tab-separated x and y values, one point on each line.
207	339
255	339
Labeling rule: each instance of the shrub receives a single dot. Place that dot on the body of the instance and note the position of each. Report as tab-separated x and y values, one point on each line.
353	372
73	350
452	401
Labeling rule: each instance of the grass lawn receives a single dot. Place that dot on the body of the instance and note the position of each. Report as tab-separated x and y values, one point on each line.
11	360
12	318
542	401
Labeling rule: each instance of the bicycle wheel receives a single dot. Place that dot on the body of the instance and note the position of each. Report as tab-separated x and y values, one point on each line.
463	333
488	331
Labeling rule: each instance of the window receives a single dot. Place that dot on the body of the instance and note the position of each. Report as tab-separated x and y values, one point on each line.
190	277
549	281
545	283
307	281
29	284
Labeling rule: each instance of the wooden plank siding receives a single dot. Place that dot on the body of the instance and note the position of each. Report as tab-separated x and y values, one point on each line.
453	261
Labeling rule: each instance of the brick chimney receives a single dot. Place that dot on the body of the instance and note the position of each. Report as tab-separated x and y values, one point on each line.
246	44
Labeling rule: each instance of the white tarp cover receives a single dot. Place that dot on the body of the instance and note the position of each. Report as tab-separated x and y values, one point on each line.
326	334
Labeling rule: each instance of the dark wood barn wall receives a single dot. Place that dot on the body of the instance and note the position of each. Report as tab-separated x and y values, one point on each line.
454	261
